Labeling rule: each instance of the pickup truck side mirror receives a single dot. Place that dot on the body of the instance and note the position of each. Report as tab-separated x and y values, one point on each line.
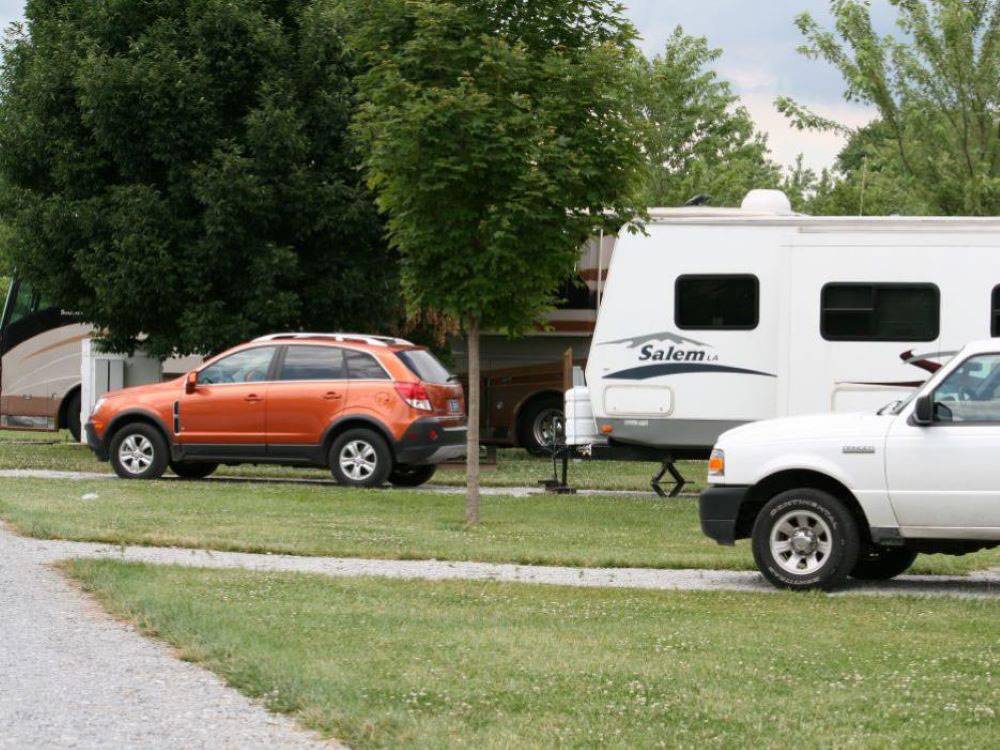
191	383
923	411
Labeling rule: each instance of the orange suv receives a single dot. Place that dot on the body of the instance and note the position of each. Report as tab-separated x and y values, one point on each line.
373	409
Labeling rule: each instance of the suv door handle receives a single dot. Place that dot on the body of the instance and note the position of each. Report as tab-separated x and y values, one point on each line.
253	398
332	395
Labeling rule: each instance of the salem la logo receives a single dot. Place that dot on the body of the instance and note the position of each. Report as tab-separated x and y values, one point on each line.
649	354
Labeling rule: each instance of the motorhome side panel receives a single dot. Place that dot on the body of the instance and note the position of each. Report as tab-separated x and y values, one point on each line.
687	339
862	300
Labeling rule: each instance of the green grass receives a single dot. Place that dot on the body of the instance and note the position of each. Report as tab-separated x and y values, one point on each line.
379	663
56	451
615	531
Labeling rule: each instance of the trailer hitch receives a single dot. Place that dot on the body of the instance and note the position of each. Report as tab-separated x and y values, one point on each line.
667	466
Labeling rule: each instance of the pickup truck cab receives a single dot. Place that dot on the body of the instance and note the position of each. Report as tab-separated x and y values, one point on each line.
830	496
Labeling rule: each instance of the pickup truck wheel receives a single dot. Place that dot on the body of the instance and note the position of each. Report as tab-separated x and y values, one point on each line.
138	451
882	563
360	458
805	539
411	476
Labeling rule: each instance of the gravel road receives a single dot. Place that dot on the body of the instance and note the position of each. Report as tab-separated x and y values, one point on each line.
72	677
983	584
435	488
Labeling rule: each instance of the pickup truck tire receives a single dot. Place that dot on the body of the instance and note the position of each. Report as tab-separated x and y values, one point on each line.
805	539
881	564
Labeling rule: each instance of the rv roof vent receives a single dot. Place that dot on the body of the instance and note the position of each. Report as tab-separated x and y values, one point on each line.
767	202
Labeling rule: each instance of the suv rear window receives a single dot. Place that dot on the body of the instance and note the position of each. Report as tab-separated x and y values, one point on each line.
361	366
424	365
313	363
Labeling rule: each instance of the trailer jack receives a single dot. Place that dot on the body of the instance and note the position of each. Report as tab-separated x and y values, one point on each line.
558	485
667	466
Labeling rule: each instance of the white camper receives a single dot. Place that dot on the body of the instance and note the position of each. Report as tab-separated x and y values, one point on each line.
717	317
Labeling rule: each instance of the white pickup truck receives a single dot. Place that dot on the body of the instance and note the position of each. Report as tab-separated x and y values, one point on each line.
831	496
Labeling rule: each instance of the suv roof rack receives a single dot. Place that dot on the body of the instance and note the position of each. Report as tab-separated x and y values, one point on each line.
363	338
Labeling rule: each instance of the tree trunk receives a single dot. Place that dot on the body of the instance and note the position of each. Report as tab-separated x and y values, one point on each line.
472	444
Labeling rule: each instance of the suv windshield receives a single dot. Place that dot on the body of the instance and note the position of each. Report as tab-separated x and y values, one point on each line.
425	366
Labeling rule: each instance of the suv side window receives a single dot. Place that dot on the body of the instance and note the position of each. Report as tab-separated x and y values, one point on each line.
362	366
313	363
247	366
971	393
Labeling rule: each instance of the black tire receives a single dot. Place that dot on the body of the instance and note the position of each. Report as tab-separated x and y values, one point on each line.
192	470
533	432
378	459
411	476
73	415
882	563
823	542
146	441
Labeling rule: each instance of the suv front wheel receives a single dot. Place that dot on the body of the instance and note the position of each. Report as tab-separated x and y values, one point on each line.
805	539
360	458
138	451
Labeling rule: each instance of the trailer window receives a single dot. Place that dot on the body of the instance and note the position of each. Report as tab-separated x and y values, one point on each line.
717	302
995	327
880	312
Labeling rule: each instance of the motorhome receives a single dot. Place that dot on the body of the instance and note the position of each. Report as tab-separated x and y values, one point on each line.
712	318
41	358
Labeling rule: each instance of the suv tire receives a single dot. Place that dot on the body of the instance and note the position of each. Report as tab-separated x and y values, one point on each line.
411	476
536	424
73	416
138	451
805	539
360	458
882	563
193	470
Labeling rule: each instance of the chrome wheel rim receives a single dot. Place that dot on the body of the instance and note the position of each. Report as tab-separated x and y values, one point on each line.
548	426
136	453
801	542
358	460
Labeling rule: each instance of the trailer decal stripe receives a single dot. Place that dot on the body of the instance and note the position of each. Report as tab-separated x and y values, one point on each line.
680	368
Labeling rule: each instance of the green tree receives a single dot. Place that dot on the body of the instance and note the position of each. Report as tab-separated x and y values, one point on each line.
937	93
501	134
700	139
182	170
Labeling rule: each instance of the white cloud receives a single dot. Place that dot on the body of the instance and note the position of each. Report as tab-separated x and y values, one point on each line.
786	142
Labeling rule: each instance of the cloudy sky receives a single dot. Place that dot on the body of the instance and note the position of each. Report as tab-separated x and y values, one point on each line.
759	40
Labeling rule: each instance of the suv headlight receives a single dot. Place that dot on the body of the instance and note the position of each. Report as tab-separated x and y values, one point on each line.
97	406
717	463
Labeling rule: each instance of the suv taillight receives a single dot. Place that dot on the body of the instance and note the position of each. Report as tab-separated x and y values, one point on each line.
415	395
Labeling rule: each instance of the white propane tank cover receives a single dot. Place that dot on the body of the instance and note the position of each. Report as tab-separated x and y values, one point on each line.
767	202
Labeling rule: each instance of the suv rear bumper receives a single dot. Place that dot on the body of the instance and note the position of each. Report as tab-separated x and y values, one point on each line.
428	441
719	510
95	443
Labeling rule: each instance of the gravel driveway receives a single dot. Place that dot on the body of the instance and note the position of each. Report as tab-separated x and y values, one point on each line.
71	677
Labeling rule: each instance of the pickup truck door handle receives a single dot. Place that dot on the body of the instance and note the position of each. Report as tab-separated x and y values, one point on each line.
332	396
253	398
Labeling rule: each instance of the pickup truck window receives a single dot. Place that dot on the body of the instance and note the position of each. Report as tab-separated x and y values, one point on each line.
971	393
880	312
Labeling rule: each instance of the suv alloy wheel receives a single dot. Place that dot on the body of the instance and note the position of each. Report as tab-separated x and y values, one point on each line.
138	451
360	458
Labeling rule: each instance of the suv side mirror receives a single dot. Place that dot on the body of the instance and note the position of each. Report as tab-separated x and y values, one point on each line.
923	411
191	383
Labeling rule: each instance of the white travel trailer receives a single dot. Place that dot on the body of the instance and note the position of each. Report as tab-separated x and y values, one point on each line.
717	317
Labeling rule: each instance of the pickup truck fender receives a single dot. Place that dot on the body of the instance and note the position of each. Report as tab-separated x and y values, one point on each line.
867	483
